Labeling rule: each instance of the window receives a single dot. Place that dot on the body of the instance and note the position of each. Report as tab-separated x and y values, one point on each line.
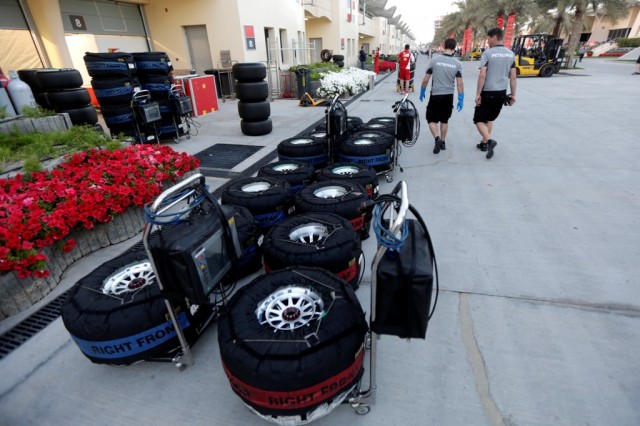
622	32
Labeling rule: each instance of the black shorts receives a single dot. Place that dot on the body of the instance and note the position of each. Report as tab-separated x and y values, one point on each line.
490	106
439	108
638	61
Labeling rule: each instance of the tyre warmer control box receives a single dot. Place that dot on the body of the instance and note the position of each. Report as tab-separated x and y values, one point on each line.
193	256
404	287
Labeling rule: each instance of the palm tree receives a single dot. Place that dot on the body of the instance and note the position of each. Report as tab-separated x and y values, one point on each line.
614	9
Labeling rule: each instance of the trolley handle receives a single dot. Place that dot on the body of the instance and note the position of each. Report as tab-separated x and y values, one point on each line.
176	188
401	191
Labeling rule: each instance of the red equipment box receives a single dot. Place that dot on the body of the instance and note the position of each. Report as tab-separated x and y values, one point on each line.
202	91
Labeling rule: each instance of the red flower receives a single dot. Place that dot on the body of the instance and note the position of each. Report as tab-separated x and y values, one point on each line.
91	187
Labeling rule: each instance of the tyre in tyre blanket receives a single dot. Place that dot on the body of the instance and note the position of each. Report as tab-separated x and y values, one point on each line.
109	65
114	91
249	235
370	148
152	63
119	119
341	198
157	85
270	200
297	173
381	124
353	125
352	172
291	344
323	240
116	314
309	149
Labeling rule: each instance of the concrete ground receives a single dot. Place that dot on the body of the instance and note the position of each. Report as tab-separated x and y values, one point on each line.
538	320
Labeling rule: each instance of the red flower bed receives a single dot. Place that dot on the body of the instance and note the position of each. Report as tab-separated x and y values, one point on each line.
91	187
611	54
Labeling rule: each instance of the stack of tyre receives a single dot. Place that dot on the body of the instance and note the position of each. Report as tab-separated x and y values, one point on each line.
252	91
114	81
312	149
269	199
60	89
154	73
372	145
338	60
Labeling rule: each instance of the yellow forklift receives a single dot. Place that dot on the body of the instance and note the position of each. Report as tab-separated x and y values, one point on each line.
538	54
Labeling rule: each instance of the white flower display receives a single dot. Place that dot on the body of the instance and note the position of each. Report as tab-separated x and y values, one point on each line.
348	81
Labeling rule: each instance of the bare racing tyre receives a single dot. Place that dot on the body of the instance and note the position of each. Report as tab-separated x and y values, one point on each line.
84	115
338	58
308	149
339	63
254	111
341	198
152	63
547	71
292	344
249	71
353	173
58	78
268	199
110	65
114	91
117	316
297	173
69	98
322	240
381	124
252	90
256	128
248	232
325	55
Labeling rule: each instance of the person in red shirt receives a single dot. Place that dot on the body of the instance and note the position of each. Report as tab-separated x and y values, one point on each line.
376	61
405	59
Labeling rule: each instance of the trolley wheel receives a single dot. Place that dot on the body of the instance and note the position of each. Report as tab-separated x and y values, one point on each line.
362	409
389	178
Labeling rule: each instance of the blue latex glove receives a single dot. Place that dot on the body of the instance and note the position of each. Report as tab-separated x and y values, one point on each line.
423	93
460	101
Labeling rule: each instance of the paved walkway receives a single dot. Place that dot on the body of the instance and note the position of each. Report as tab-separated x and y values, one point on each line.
539	314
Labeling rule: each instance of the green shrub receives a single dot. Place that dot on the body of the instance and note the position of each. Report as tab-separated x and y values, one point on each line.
35	147
628	42
317	69
36	112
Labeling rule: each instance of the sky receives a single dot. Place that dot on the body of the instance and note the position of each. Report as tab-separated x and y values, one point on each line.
420	14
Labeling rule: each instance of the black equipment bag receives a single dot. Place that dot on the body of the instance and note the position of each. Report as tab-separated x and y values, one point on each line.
405	280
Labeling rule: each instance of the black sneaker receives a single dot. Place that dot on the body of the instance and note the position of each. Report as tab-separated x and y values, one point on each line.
491	145
437	144
442	146
482	146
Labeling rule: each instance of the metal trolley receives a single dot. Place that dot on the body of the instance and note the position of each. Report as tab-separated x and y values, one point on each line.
392	209
202	289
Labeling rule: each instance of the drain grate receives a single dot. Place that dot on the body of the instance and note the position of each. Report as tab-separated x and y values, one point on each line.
25	330
225	155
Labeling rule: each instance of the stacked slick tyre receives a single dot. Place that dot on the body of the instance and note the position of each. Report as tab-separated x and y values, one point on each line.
292	344
154	73
354	173
297	173
342	198
252	91
116	314
323	240
59	89
370	148
381	124
114	82
309	149
270	200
